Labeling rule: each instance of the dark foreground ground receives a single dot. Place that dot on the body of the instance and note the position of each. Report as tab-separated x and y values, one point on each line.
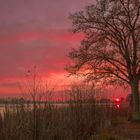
127	130
76	121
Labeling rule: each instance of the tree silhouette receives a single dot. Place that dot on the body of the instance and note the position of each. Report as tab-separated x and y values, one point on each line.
110	49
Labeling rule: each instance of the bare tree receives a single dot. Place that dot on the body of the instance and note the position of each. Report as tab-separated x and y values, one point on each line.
84	93
38	92
111	47
34	88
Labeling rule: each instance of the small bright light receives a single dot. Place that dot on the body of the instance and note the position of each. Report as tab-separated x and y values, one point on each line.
118	106
117	99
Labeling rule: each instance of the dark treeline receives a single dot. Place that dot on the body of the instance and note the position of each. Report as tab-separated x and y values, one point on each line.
4	101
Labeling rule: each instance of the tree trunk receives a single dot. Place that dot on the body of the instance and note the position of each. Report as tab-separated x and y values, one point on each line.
135	100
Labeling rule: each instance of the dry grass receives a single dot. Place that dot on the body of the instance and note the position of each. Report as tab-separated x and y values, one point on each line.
80	119
77	121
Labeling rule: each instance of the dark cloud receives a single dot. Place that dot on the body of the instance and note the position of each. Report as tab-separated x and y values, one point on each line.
42	14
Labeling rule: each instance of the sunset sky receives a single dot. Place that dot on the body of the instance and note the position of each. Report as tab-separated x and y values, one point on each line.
35	32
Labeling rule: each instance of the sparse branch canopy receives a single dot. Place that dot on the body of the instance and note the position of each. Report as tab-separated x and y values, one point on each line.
112	39
111	47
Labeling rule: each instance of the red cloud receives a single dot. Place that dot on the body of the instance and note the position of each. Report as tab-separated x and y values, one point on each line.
65	36
47	50
56	36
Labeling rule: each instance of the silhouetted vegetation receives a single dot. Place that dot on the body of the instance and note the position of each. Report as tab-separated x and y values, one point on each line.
4	101
76	121
82	118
